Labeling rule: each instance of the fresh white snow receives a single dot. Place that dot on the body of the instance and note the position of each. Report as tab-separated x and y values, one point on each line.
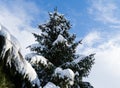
65	73
45	33
4	32
30	72
50	85
16	59
60	39
38	59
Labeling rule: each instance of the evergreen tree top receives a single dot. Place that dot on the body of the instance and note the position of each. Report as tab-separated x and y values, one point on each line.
56	20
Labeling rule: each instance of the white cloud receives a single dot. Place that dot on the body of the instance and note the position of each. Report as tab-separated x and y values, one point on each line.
17	17
91	38
107	59
105	11
105	73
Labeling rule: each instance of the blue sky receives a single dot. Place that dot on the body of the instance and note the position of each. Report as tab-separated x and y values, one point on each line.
97	22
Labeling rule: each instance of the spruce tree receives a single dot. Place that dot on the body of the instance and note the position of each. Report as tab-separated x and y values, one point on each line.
58	46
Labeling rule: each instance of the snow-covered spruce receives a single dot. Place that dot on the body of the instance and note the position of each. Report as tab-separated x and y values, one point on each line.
58	46
15	66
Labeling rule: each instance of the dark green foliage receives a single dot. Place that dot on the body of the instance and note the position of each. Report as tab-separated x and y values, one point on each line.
83	67
44	71
5	81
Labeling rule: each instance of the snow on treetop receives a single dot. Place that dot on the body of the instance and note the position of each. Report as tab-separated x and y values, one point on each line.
38	59
56	14
60	39
65	73
50	85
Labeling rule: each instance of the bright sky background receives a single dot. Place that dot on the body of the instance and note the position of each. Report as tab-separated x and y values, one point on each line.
97	22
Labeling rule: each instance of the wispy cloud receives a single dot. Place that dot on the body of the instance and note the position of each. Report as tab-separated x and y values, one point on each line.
92	38
17	16
105	11
105	43
107	59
